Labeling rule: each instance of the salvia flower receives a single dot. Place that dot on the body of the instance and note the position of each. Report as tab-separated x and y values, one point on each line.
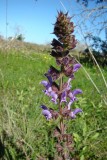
63	29
49	113
76	67
71	95
72	114
63	97
57	87
51	89
70	70
53	73
66	60
46	112
68	93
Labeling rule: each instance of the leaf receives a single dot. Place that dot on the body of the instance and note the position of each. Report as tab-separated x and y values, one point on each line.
21	98
95	136
76	137
82	157
84	148
84	129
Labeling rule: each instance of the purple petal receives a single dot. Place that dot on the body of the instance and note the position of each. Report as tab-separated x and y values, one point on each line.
47	114
48	86
72	76
54	97
45	83
49	78
69	104
53	72
76	91
68	84
71	96
44	107
77	110
48	91
76	67
73	114
69	80
63	97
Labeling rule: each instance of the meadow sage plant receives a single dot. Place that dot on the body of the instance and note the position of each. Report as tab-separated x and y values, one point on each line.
58	84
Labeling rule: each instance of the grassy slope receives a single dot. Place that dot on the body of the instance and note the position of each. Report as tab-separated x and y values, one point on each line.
23	129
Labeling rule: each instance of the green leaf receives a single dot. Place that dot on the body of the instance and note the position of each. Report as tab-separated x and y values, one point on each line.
84	129
76	137
95	136
82	157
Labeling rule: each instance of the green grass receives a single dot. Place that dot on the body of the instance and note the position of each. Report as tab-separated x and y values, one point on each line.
24	132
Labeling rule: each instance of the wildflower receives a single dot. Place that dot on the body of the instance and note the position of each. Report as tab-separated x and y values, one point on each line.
70	94
54	97
53	73
66	60
56	87
72	114
76	67
51	89
46	112
70	70
68	113
48	87
49	113
72	97
63	97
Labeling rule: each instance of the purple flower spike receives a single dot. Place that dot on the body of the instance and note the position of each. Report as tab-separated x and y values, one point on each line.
76	91
46	112
73	114
76	67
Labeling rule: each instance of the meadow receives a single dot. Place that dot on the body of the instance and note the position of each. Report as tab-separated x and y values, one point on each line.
24	132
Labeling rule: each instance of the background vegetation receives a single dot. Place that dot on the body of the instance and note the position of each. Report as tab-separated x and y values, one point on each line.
24	132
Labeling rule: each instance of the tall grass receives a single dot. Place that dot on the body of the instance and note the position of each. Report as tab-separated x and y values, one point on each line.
24	134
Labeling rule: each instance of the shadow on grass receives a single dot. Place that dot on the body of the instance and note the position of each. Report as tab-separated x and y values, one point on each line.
2	150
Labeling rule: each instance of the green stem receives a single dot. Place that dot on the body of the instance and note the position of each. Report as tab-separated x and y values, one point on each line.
60	105
62	128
